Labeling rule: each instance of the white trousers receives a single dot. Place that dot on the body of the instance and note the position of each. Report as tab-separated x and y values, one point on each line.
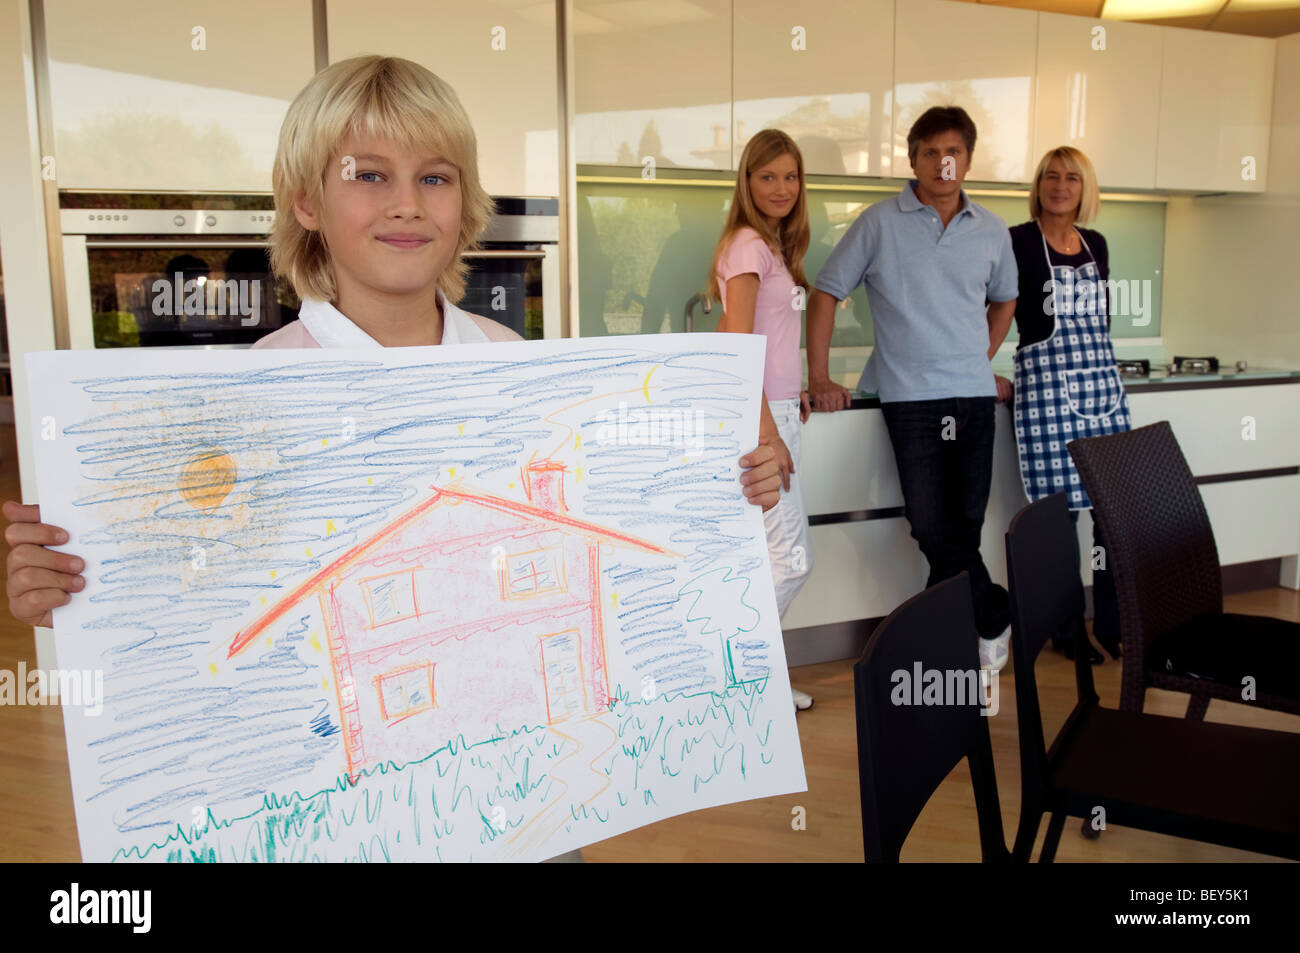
789	546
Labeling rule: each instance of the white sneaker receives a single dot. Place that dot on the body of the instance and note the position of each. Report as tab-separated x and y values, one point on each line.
995	652
802	700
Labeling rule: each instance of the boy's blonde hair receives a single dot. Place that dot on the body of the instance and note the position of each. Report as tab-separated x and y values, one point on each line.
1075	161
381	96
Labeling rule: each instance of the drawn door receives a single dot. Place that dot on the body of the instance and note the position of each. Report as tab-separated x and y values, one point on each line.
563	684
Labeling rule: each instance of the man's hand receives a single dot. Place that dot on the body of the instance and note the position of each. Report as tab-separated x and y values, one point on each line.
826	395
1005	388
760	477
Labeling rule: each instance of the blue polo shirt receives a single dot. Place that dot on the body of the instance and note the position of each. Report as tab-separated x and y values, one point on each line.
929	288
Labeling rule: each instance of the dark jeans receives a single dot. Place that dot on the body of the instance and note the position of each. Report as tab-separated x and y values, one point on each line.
944	450
1105	605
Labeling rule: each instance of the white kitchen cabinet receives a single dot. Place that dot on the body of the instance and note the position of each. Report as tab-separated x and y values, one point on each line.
1099	91
975	56
163	96
1216	96
500	58
652	82
822	72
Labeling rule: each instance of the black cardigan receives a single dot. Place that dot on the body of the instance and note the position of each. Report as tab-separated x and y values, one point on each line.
1027	243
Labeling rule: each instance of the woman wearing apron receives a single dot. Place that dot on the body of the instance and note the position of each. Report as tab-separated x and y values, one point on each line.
1066	384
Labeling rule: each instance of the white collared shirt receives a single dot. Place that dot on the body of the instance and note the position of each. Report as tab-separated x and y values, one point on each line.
332	328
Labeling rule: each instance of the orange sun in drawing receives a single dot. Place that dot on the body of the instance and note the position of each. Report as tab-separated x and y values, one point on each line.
207	479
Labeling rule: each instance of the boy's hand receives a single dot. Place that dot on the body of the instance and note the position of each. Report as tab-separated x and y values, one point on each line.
38	578
760	477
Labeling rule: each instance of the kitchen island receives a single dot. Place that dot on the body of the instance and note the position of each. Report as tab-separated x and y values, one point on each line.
1239	432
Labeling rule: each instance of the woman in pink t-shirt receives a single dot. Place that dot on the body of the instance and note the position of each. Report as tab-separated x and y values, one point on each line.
758	274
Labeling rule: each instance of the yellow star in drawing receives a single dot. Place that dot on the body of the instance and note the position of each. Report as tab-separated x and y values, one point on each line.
577	441
268	640
329	527
324	442
368	481
324	683
577	474
613	599
460	429
451	471
308	552
213	668
263	600
314	642
273	573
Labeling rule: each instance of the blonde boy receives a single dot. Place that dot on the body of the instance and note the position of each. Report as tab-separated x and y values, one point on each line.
377	197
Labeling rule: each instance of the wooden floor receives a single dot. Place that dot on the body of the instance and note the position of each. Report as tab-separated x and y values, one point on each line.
37	822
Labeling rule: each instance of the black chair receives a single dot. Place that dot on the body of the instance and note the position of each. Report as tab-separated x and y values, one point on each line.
1224	784
906	750
1165	565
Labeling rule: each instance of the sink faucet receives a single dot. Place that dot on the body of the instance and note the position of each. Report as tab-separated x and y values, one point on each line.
688	315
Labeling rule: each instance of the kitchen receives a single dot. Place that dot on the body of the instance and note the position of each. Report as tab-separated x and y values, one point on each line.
611	132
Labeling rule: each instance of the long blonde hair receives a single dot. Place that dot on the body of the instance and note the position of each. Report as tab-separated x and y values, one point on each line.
792	236
382	96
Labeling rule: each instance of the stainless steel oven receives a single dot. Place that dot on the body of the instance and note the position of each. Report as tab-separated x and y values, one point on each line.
140	274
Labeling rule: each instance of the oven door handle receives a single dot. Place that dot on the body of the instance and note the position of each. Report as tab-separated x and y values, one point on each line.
244	243
237	243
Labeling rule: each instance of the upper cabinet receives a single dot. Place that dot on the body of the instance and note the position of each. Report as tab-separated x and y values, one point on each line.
500	58
974	56
822	72
1216	99
652	83
1099	91
160	97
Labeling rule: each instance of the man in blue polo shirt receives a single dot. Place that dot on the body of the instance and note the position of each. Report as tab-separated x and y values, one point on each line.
941	280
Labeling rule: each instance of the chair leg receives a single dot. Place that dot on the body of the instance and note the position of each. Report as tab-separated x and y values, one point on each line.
1052	838
1197	706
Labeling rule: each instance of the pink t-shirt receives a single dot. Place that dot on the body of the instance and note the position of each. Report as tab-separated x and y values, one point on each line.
775	312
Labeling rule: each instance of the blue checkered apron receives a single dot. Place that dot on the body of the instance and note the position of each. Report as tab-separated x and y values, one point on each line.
1067	386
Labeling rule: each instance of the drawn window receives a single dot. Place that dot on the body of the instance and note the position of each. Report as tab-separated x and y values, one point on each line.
390	598
405	691
533	573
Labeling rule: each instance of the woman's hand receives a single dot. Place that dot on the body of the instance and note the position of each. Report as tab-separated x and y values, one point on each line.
1005	388
39	579
784	462
760	477
805	406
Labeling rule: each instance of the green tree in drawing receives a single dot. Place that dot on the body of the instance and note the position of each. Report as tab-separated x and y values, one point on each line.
719	605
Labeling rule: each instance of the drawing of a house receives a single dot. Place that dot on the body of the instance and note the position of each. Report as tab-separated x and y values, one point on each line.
465	597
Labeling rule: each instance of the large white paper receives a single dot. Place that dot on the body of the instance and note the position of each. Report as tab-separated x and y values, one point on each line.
487	602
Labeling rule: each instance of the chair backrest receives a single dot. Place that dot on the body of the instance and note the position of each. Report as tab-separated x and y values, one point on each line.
1046	602
910	740
1159	545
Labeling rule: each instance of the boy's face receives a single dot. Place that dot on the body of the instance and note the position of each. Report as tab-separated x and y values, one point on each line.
390	218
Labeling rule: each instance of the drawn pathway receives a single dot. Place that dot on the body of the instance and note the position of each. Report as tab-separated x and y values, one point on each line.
579	779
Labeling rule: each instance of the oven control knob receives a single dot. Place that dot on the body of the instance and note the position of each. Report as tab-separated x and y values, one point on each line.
178	221
210	221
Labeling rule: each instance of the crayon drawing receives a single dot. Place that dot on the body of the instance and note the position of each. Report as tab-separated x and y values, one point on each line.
472	603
